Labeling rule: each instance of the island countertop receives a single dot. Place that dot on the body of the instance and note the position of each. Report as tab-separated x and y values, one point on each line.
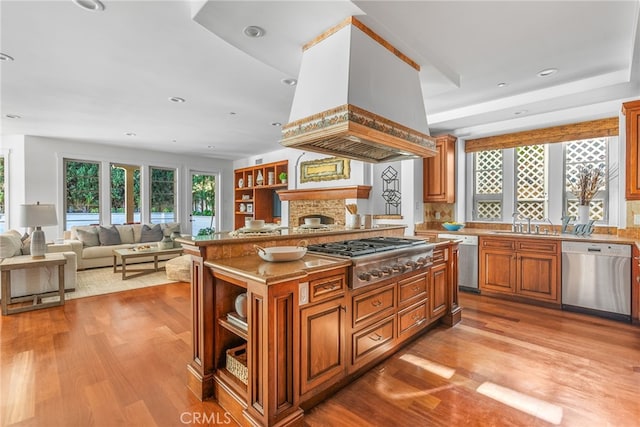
254	268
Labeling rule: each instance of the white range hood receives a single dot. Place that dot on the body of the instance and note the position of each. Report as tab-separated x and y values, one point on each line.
358	97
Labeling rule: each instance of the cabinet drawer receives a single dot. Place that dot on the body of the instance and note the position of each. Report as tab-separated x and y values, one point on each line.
491	243
367	341
412	288
326	287
373	304
439	255
411	319
538	246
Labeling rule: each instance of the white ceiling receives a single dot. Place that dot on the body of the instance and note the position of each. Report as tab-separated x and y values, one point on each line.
94	76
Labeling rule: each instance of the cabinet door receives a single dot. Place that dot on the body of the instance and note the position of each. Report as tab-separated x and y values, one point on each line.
497	271
635	285
438	291
632	118
538	276
322	355
439	172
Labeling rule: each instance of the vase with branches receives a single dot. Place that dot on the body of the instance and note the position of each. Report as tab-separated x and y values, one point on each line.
587	183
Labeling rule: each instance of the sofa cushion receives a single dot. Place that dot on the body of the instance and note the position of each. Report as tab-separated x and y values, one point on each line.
126	233
10	244
88	237
170	227
109	236
151	234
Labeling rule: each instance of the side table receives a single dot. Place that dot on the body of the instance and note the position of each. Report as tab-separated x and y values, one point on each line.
23	262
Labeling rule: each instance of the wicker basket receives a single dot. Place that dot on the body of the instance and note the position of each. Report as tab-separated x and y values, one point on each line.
237	362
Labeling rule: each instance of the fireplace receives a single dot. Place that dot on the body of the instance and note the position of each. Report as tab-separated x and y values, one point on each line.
324	219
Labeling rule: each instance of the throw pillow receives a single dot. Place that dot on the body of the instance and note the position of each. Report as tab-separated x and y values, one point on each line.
151	234
126	233
170	228
10	245
88	238
26	245
109	236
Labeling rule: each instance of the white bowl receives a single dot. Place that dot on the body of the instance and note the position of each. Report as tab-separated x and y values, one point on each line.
312	221
254	224
281	253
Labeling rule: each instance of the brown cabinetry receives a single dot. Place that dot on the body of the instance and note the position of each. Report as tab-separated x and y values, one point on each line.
438	291
631	111
528	268
255	192
439	172
635	284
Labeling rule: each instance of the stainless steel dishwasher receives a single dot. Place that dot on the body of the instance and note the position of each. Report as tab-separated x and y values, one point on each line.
467	261
596	278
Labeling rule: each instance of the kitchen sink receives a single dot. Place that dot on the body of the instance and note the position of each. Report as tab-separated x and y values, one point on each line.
517	233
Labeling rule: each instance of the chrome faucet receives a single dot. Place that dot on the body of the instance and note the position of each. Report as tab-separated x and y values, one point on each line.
514	227
553	231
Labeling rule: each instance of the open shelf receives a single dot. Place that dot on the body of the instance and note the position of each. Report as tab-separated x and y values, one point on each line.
263	196
242	333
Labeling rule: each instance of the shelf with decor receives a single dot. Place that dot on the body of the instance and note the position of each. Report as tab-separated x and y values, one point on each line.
255	192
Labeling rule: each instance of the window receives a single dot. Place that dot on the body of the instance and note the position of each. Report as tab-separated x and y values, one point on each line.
163	195
531	181
487	174
125	194
82	193
3	221
578	154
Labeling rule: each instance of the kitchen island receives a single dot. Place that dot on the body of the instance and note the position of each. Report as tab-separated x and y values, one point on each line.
307	331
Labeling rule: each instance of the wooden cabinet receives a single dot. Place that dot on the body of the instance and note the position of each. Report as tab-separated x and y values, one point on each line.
438	291
631	111
635	284
528	268
439	172
322	355
255	192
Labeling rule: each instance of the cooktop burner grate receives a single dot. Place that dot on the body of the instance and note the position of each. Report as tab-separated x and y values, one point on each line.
360	247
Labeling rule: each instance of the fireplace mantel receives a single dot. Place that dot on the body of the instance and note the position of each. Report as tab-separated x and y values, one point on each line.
330	193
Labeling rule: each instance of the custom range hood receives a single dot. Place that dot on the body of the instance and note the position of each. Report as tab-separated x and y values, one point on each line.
358	97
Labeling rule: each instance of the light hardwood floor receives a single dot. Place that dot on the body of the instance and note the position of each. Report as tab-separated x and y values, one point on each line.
120	360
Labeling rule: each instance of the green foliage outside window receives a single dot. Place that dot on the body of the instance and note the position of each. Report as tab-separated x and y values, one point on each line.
82	186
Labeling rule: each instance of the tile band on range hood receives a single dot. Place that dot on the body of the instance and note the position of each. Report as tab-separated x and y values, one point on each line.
358	97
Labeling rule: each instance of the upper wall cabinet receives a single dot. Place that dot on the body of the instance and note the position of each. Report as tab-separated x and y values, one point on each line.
631	110
439	172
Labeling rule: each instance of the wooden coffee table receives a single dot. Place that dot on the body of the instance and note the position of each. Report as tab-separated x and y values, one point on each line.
126	254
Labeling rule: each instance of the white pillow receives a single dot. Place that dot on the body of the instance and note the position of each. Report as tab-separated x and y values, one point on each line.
126	233
10	244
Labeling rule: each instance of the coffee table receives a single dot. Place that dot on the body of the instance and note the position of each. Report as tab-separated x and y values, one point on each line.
126	254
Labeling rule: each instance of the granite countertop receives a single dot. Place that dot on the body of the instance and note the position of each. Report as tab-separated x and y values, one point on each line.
279	234
595	238
254	268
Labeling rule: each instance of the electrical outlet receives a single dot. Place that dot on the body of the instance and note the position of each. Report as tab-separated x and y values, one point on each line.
437	215
636	219
303	293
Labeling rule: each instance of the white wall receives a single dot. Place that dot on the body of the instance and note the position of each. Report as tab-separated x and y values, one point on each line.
36	174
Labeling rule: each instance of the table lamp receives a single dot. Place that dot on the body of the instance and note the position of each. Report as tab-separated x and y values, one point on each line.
37	216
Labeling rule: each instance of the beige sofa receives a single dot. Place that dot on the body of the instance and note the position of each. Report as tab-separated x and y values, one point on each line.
94	244
33	281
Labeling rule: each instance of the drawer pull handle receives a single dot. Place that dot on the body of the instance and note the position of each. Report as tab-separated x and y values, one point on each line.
416	288
421	321
376	303
330	287
376	337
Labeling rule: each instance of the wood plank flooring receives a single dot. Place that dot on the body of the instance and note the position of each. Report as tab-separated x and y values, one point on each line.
120	360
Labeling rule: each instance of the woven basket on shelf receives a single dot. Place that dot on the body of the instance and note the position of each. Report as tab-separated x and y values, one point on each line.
237	362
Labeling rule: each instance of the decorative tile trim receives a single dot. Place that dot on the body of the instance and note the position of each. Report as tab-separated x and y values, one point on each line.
349	113
327	169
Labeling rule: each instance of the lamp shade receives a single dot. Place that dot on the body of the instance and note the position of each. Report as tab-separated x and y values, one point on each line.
37	215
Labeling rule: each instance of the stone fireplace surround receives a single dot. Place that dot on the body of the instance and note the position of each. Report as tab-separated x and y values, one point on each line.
327	203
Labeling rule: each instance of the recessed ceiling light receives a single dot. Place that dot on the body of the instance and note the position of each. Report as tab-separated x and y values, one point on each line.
13	116
253	31
276	124
92	5
289	82
502	84
5	57
232	113
130	134
177	99
517	113
211	147
547	72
